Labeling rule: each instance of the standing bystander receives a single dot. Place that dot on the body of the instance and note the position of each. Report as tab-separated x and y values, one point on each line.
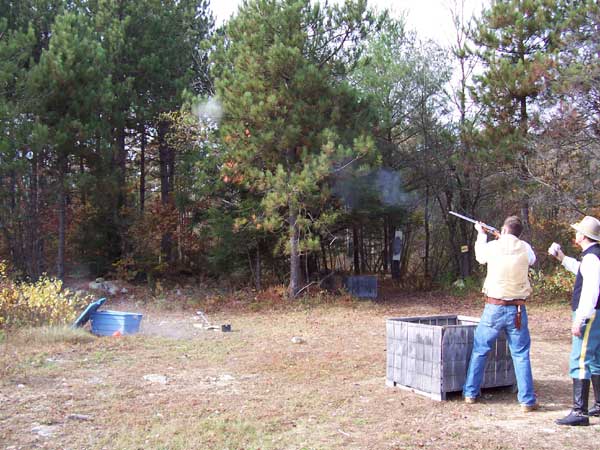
584	364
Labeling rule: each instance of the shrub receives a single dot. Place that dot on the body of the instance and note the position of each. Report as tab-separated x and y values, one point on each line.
558	282
34	304
461	287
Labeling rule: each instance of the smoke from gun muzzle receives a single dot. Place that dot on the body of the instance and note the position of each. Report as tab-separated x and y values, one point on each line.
383	185
389	186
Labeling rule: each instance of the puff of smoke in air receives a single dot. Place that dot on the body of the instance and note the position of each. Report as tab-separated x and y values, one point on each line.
389	187
209	111
383	185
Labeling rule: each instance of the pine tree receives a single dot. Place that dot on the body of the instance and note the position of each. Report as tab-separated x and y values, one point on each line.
70	87
291	120
15	150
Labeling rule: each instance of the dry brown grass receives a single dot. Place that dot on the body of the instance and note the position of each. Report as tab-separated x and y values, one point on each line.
255	389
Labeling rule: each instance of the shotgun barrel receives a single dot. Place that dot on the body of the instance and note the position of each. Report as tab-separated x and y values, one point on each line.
486	227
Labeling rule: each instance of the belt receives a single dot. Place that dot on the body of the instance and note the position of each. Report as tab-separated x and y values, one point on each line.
497	301
517	302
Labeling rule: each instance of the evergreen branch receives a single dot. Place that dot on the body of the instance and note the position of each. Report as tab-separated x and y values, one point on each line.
337	50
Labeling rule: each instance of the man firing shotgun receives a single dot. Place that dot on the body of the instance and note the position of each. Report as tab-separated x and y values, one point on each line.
505	288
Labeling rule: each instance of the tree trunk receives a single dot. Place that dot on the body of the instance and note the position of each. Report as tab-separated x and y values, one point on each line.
324	254
465	256
163	159
332	259
34	254
12	233
42	193
386	238
312	265
171	170
295	268
525	216
142	167
356	249
427	236
257	269
62	217
165	185
363	253
179	235
523	126
445	204
306	259
465	228
121	167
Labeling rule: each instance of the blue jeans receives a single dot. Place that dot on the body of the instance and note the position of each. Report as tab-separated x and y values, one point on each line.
494	319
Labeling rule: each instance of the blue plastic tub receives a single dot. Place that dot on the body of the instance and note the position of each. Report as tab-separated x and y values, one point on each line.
107	323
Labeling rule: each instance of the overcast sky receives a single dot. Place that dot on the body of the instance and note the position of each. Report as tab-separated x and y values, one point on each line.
430	18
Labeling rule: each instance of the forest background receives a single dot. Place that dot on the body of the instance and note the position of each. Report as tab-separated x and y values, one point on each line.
297	140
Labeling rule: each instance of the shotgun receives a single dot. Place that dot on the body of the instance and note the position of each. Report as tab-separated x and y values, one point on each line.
487	228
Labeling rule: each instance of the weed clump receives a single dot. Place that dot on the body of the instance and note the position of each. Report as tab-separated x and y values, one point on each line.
43	302
47	335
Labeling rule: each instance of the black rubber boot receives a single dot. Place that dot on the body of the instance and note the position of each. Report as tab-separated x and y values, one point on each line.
595	410
579	414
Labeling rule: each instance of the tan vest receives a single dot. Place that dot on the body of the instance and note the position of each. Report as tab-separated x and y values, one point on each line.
508	266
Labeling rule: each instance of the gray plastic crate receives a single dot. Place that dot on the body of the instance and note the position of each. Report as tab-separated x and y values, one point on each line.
430	355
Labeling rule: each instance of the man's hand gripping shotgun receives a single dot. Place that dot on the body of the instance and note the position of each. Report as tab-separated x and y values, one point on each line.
487	228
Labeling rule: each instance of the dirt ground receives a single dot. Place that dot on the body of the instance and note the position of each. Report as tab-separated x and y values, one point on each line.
178	386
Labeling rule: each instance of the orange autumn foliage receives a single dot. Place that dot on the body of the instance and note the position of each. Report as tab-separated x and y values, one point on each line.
232	175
